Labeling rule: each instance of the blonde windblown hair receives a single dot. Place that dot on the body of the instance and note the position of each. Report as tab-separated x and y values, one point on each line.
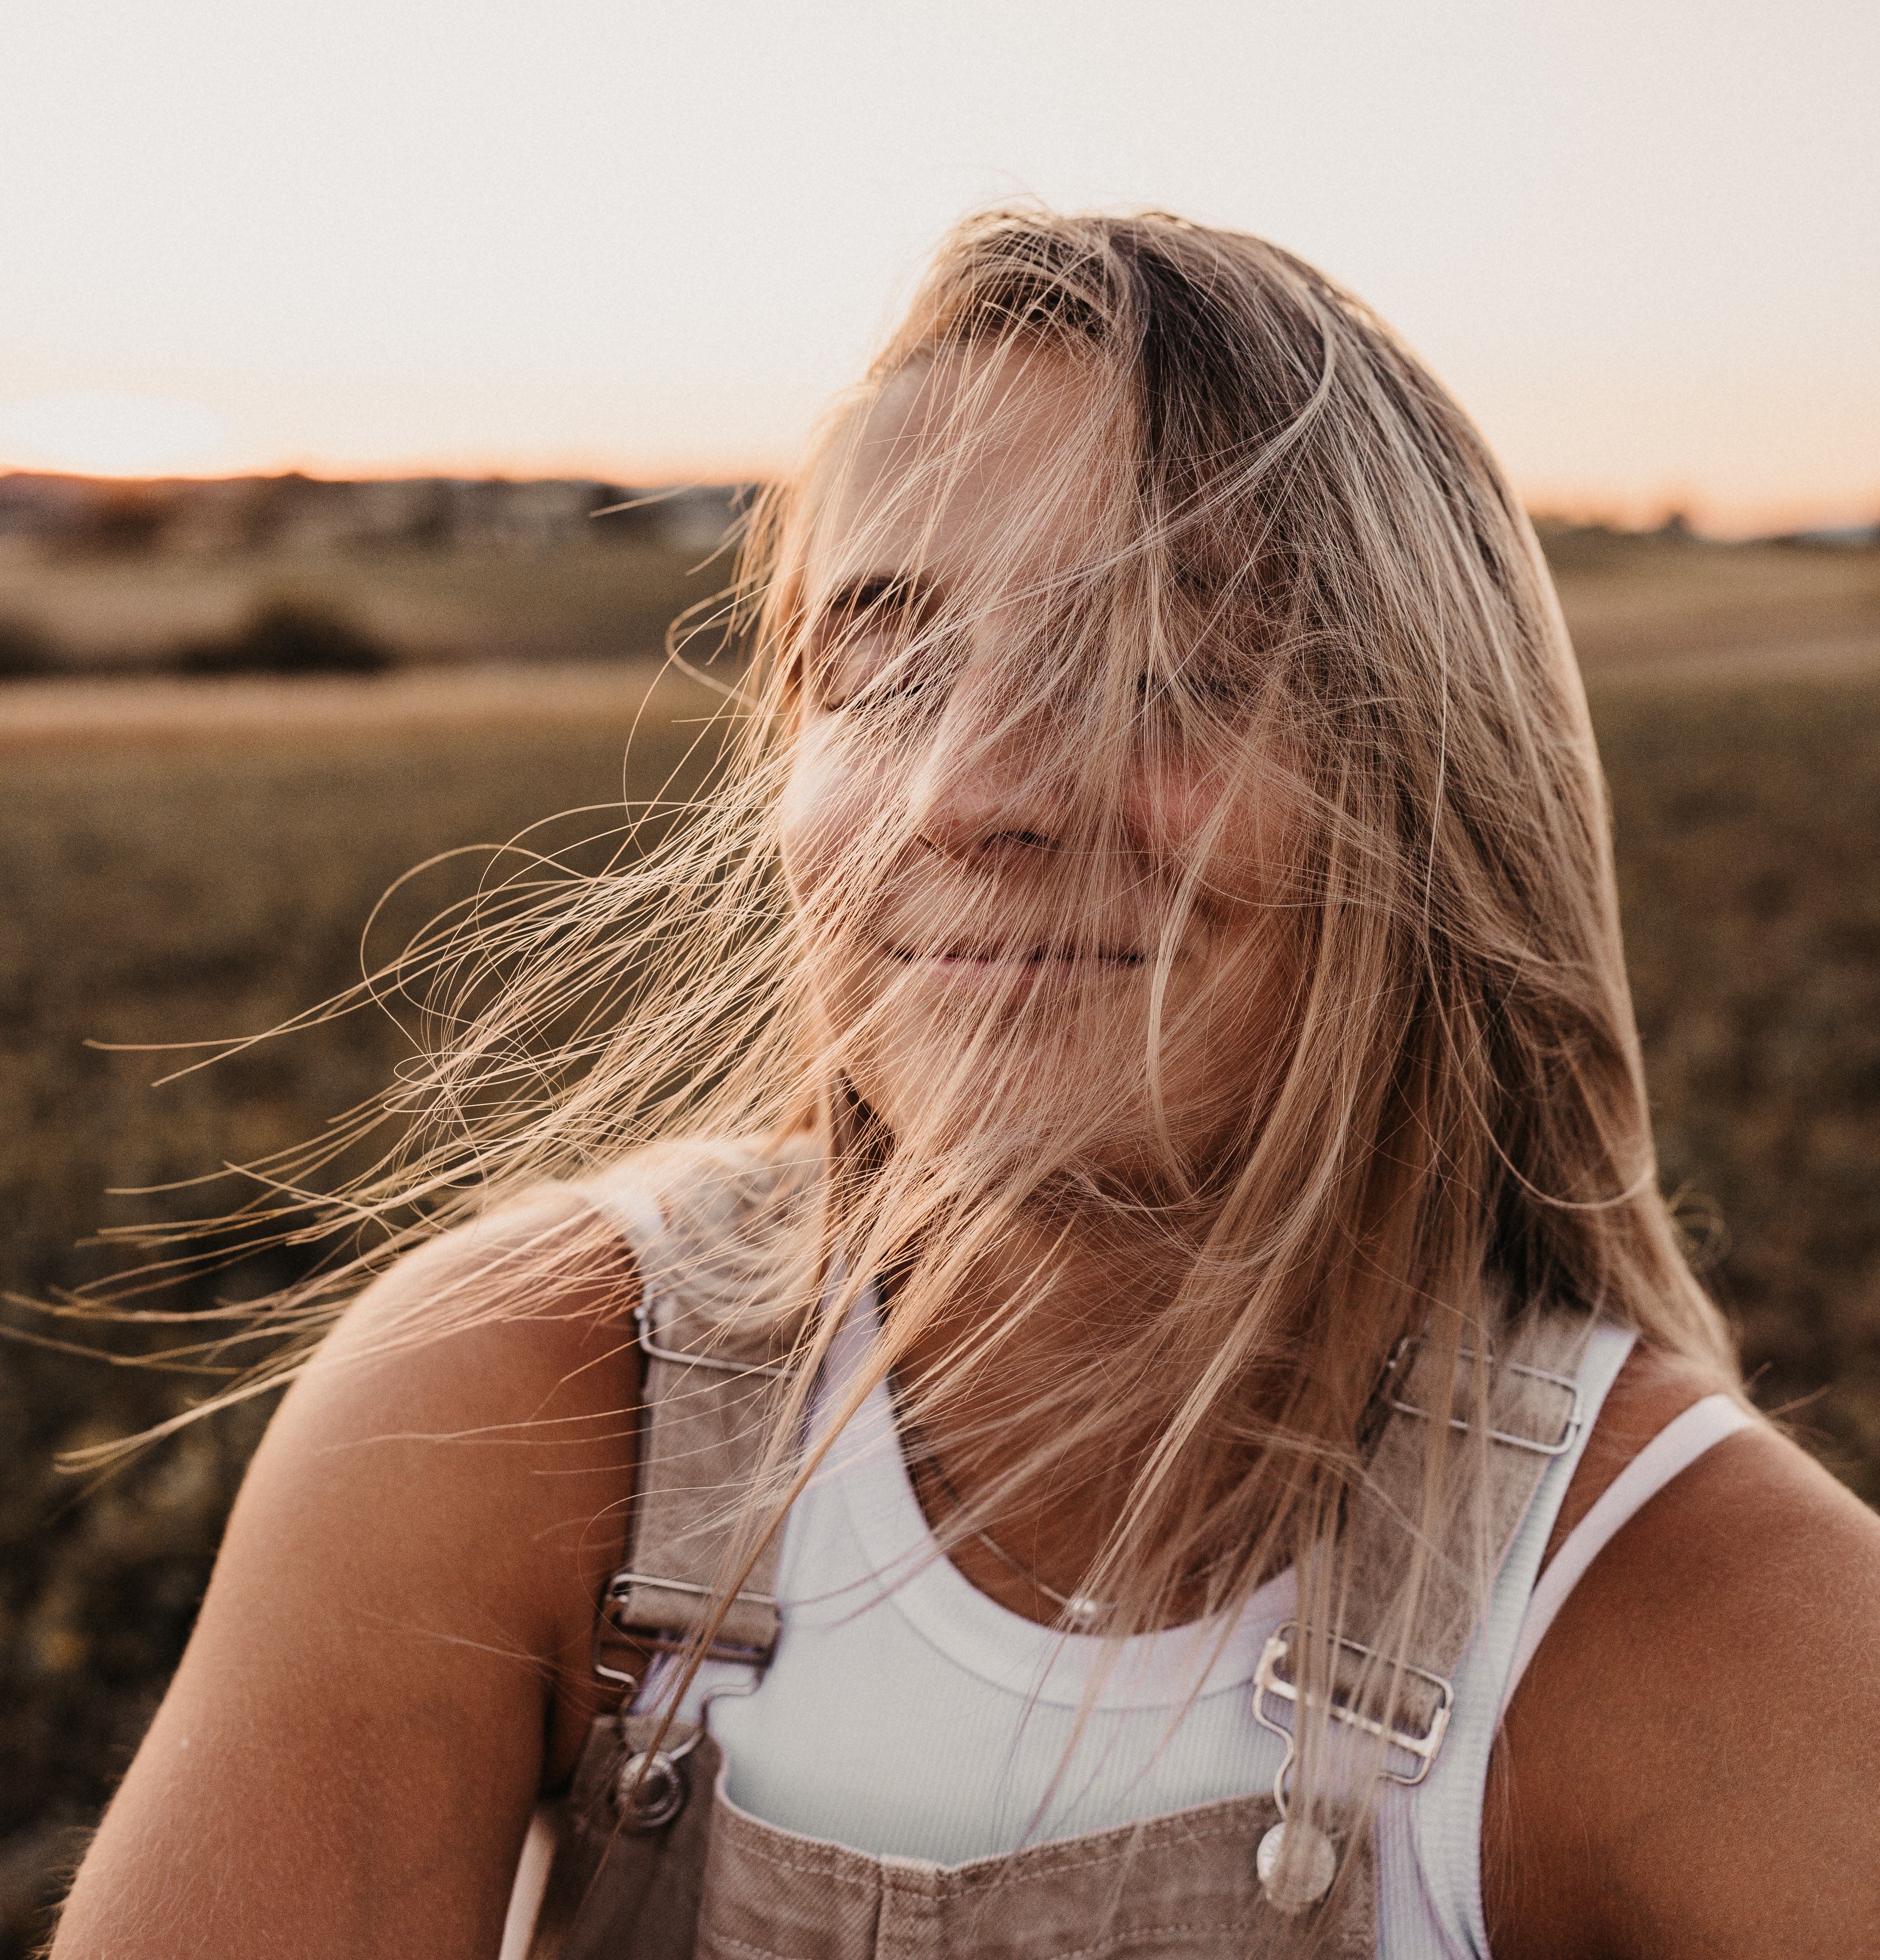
1300	571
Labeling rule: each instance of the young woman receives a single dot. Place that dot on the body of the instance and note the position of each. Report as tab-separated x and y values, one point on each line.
1084	1242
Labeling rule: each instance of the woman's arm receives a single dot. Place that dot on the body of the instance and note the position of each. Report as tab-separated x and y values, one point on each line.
391	1661
1691	1766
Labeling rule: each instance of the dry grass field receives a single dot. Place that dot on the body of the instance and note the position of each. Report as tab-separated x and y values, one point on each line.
1653	600
184	861
1747	812
192	861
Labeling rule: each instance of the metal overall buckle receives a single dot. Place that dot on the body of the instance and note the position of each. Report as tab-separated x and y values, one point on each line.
649	1789
713	1364
1268	1680
656	1640
1395	1370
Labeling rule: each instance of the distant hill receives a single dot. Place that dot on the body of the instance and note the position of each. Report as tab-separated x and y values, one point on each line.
298	574
193	516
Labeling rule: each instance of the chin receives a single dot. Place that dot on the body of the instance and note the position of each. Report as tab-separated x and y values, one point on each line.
1074	1114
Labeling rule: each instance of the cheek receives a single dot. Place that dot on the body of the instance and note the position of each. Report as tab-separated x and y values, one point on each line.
1227	835
830	801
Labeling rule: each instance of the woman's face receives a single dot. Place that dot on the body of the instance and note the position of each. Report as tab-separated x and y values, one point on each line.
1017	926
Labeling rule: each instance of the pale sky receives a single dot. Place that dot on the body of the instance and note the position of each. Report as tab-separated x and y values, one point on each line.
1639	238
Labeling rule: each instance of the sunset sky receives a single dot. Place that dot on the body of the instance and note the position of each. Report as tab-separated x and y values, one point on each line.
1639	238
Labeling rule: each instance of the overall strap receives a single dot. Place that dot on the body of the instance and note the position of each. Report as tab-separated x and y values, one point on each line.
1520	1410
1490	1472
719	1276
723	1236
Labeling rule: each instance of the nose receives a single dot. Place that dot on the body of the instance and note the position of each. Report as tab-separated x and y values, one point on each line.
994	787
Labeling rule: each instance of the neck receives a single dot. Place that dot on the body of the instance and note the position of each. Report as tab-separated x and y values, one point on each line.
1058	1285
1059	1289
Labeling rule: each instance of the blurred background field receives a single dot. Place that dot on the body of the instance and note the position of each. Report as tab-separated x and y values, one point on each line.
194	827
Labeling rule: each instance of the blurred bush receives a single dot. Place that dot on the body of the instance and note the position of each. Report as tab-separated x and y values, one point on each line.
290	636
119	577
25	652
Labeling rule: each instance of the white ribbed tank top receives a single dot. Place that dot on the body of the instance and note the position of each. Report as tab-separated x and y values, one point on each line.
905	1714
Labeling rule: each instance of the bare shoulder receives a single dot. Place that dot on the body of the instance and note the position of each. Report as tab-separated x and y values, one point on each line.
1652	1389
483	1317
390	1663
1690	1765
491	1379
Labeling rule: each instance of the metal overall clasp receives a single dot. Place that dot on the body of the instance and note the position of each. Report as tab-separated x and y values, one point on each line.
1294	1879
652	1786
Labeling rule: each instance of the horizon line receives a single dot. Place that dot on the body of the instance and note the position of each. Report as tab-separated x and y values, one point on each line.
1631	510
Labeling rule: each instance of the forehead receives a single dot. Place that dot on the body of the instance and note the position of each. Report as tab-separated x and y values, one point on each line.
979	467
